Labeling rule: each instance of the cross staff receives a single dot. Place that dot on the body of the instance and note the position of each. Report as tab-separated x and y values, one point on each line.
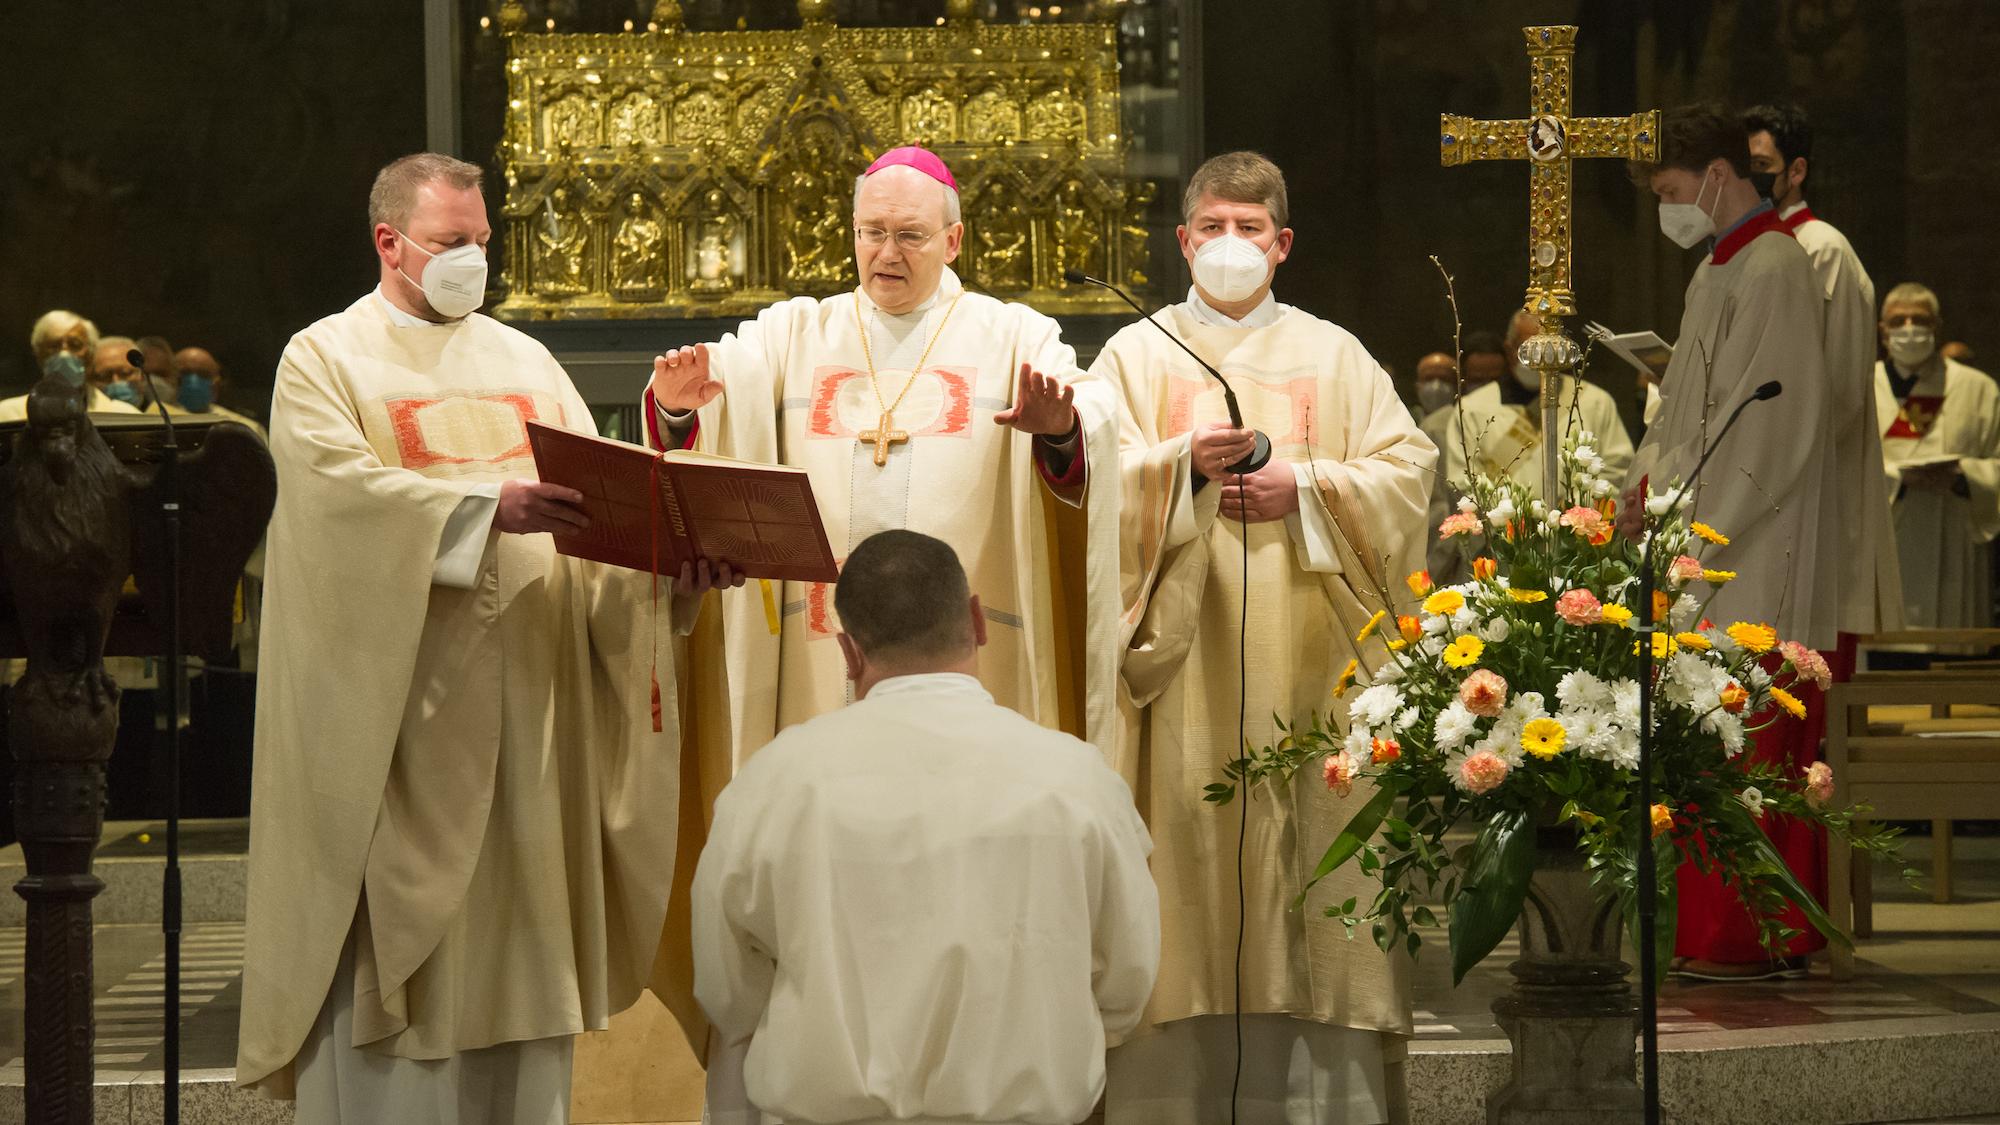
1549	140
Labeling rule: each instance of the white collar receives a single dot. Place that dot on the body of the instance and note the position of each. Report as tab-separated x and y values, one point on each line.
403	319
948	286
1265	314
1793	209
931	683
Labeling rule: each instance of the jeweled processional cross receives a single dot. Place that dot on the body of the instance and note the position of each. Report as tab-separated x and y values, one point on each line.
1549	140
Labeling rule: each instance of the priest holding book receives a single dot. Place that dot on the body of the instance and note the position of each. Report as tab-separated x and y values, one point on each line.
462	809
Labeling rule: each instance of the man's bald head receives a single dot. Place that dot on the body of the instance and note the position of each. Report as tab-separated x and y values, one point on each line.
1520	327
1437	365
199	361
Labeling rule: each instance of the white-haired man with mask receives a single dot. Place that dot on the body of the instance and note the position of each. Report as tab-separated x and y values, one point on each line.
1502	424
64	345
910	403
464	793
1941	440
1307	548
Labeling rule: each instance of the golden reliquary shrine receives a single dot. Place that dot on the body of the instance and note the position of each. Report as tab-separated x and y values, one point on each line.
669	173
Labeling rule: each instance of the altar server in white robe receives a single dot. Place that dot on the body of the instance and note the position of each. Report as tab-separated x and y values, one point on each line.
463	805
1331	526
1502	422
1753	314
911	403
1941	436
1870	582
923	906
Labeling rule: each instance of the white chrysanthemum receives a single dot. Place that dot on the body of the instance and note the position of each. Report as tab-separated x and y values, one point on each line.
1590	731
1498	515
1431	645
1623	749
1759	678
1376	706
1465	620
1625	702
1407	718
1390	672
1582	691
1504	740
1692	682
1686	611
1435	623
1527	705
1358	742
1495	631
1729	728
1454	725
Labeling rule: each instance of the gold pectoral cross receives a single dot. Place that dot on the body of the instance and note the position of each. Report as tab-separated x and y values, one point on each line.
1549	141
882	437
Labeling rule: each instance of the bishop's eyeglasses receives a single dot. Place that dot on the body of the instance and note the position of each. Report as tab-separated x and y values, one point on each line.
909	241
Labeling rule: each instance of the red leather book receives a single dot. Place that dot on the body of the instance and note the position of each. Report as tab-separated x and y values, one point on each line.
760	519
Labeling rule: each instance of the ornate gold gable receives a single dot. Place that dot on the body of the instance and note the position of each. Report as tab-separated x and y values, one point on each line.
699	174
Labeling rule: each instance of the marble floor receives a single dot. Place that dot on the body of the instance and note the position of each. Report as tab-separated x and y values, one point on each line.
1925	961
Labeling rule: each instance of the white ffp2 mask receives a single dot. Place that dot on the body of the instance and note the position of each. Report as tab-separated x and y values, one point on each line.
1687	223
1911	345
1230	268
455	281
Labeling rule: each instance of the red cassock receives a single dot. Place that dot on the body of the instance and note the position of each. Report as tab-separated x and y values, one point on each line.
1713	924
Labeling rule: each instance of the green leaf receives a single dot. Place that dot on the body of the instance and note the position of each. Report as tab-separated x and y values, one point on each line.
1359	829
1496	884
1781	873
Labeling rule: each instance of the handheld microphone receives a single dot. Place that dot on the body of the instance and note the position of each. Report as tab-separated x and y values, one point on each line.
1260	448
1646	881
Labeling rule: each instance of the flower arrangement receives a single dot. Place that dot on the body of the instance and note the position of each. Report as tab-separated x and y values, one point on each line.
1509	702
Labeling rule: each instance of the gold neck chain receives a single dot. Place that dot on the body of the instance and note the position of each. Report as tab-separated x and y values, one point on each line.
868	354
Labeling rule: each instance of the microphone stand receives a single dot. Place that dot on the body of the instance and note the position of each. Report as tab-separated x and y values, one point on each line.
1647	880
1260	447
170	890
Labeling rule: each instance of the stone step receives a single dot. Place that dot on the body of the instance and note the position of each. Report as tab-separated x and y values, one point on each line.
215	872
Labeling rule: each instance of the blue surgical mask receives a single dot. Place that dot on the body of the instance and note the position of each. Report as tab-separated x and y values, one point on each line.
66	367
122	391
197	393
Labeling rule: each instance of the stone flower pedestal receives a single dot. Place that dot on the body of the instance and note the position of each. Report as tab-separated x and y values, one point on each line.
1572	1015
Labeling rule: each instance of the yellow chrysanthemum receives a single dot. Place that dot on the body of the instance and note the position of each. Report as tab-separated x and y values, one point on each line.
1398	645
1717	577
1759	639
1709	534
1444	602
1528	597
1694	641
1544	738
1368	630
1464	652
1616	615
1663	646
1346	678
1789	702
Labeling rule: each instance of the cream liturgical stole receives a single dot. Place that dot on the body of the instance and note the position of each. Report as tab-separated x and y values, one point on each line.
466	779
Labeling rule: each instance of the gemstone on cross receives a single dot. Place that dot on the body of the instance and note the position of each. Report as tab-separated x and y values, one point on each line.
882	437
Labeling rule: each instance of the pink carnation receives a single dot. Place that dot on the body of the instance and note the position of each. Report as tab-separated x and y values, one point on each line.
1484	693
1809	664
1686	568
1339	770
1586	522
1482	772
1819	784
1579	607
1459	523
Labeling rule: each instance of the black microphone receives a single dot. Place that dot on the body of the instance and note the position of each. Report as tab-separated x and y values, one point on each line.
1646	882
137	359
1260	447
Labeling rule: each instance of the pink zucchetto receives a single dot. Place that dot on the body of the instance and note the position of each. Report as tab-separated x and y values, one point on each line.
922	159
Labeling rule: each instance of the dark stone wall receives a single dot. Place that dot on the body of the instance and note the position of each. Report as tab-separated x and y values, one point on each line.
197	170
1347	97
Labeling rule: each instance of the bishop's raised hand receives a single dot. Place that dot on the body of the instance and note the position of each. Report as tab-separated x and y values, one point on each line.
681	379
1042	405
